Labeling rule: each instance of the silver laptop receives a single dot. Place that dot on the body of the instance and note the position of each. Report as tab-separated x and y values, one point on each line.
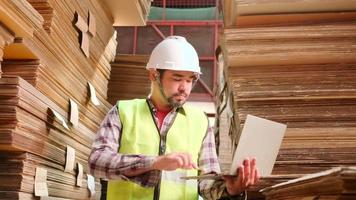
260	139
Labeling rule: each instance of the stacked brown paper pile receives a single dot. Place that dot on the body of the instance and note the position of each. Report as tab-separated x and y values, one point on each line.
46	11
303	76
262	12
129	13
20	169
36	74
145	8
128	69
293	63
290	45
35	132
183	3
223	142
221	127
28	125
336	183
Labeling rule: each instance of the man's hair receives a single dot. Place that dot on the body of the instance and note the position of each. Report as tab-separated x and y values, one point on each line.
161	71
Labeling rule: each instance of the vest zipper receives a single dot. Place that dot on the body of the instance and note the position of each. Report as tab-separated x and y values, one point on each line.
161	151
158	187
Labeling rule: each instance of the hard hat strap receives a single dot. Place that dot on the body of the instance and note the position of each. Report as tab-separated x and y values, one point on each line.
158	79
197	76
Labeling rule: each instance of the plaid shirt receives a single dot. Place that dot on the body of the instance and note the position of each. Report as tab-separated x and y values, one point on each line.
106	162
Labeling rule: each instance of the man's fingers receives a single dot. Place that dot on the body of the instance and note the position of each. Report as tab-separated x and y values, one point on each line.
194	165
247	175
241	177
253	171
247	172
184	161
174	161
247	168
191	163
179	161
257	176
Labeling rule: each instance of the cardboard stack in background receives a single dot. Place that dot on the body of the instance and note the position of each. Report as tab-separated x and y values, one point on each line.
252	13
335	183
42	69
222	121
299	71
128	69
129	13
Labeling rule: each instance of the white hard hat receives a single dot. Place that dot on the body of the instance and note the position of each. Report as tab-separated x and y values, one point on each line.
174	53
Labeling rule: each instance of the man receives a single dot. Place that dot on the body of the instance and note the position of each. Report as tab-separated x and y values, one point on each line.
144	146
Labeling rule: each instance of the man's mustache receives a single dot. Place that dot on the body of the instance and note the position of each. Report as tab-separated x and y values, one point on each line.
180	94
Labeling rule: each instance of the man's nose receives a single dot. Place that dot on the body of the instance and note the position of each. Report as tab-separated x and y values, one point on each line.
182	86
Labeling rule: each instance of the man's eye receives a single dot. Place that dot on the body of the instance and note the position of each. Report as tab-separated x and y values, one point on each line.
177	79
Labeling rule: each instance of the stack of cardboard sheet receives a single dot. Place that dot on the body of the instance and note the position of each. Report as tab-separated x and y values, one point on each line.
222	121
182	3
303	76
290	45
129	13
36	74
46	11
25	109
63	70
223	142
145	7
129	78
293	63
19	170
305	81
29	125
242	13
336	183
227	127
41	131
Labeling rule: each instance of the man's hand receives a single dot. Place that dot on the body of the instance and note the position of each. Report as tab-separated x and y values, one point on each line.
247	175
174	161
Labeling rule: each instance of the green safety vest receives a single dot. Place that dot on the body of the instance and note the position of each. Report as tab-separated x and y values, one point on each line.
141	136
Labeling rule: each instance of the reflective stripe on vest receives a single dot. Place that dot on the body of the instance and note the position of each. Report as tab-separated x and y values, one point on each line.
175	176
140	136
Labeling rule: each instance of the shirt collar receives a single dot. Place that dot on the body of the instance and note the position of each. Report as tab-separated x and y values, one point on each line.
154	109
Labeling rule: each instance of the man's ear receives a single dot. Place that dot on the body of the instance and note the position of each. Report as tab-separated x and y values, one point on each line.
152	75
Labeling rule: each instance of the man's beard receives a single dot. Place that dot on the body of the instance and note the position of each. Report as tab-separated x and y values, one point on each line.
175	103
